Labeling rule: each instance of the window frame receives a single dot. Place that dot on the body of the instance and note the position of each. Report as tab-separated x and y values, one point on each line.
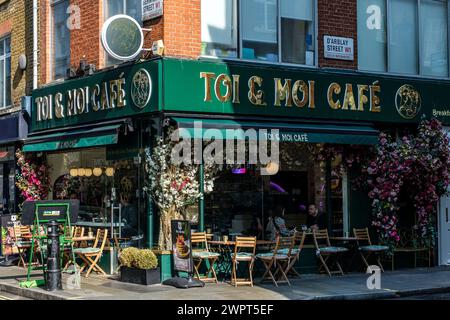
418	41
3	58
279	62
52	55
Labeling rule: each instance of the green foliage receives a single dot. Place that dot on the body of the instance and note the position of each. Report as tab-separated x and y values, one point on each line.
138	258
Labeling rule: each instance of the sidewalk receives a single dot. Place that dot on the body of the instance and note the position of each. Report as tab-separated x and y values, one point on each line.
309	287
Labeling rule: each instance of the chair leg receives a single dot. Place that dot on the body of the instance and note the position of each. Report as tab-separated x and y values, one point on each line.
338	264
364	259
379	262
268	272
250	270
233	273
324	264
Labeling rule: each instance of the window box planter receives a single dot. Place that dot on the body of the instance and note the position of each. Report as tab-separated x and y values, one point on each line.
140	276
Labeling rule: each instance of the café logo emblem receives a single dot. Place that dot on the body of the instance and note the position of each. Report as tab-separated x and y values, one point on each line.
141	88
407	101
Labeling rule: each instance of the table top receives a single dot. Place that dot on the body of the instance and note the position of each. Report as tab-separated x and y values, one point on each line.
98	224
344	238
83	238
232	243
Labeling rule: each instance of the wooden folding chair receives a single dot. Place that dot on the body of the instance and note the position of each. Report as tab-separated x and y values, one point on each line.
244	251
202	253
366	248
294	254
92	255
325	251
22	241
278	260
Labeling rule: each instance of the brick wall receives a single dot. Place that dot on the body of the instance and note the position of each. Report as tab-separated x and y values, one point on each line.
14	21
85	42
337	18
182	28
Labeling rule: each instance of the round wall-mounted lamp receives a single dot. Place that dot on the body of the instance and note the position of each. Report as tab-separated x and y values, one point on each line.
22	62
73	172
272	168
81	172
109	172
88	172
97	172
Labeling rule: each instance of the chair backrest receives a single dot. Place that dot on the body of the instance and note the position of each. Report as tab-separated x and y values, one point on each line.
245	244
362	235
299	240
199	239
101	238
79	232
21	231
286	243
321	236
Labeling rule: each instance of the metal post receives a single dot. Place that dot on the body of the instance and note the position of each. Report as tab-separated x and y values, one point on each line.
201	201
328	198
53	273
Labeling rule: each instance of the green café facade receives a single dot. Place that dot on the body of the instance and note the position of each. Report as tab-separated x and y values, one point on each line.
93	130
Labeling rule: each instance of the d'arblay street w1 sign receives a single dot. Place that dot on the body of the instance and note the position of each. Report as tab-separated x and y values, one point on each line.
338	48
151	9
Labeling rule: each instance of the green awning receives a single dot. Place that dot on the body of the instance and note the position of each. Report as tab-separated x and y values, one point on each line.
95	137
287	132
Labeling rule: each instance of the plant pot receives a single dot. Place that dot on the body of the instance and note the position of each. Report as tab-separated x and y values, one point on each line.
140	276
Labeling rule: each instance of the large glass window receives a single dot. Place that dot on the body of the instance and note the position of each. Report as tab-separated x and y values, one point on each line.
60	38
133	8
106	181
403	36
269	30
5	72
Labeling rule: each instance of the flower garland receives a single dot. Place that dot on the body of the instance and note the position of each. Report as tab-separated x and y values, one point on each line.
33	180
417	164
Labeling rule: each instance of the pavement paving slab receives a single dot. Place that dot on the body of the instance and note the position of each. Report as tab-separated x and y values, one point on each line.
353	286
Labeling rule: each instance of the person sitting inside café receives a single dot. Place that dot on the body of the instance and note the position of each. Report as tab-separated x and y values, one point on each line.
315	219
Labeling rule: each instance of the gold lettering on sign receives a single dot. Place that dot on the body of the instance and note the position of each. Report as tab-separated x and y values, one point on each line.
121	102
374	99
94	98
226	81
112	94
71	110
256	98
236	88
104	100
333	88
349	98
362	98
207	76
283	92
80	101
59	108
38	102
303	87
312	103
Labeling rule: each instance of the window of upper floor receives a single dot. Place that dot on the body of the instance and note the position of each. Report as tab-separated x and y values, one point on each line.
5	72
407	37
277	31
59	39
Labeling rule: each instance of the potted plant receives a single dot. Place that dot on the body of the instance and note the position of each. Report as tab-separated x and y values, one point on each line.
139	266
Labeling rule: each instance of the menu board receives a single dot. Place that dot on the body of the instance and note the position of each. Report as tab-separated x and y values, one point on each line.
181	246
7	234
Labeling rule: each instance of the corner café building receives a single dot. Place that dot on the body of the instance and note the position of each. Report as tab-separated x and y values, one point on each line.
93	132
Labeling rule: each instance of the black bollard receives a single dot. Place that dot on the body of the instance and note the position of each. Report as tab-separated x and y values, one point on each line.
53	274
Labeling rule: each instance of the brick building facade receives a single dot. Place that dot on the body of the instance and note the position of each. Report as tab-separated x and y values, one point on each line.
180	30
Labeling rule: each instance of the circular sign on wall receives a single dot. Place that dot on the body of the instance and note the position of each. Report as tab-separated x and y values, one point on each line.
122	37
407	101
141	88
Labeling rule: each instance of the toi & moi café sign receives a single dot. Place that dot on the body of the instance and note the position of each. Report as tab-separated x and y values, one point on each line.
122	92
253	89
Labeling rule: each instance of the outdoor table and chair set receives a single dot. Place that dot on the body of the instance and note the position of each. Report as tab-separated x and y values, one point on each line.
236	260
